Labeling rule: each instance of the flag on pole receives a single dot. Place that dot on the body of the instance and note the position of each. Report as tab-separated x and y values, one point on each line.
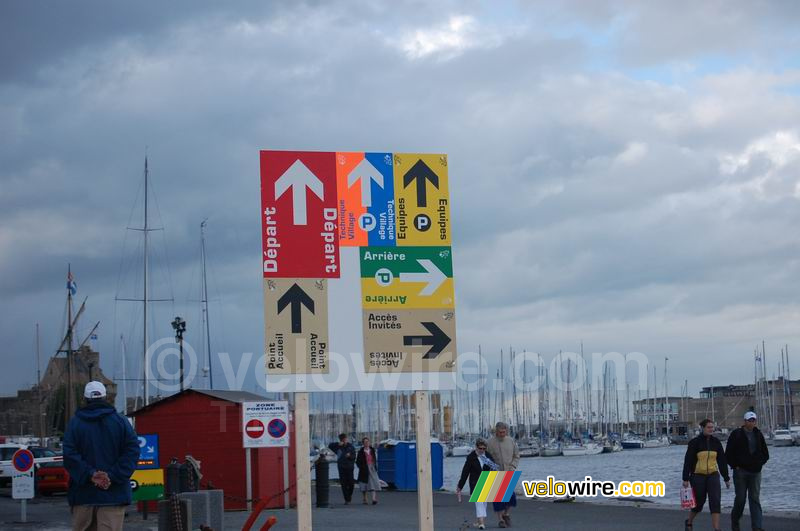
72	286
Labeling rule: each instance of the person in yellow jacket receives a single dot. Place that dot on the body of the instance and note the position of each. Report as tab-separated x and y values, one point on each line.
703	464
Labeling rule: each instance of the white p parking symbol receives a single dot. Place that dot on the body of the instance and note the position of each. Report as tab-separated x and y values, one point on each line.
383	277
366	222
422	222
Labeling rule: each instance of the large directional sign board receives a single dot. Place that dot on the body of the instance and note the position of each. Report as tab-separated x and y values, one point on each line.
357	272
365	183
423	199
407	277
299	217
296	323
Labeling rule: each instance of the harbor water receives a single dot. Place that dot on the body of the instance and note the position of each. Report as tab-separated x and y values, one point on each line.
780	479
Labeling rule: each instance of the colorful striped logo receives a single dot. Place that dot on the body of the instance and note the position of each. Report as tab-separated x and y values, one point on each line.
495	487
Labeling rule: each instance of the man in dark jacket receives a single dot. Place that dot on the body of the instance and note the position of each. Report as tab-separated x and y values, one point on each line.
100	453
345	462
747	453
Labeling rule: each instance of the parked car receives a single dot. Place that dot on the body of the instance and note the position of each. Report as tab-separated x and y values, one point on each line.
41	456
7	451
52	477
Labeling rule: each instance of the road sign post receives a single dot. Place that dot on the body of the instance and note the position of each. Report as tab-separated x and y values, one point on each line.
264	425
424	475
301	426
22	483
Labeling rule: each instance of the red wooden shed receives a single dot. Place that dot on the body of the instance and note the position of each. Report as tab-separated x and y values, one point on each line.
208	426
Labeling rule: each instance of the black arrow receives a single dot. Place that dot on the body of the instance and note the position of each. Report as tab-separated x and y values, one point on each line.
420	172
296	296
437	340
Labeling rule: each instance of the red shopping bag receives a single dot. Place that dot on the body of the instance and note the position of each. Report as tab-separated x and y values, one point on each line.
687	498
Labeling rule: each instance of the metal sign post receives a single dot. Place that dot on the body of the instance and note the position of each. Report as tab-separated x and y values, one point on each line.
248	465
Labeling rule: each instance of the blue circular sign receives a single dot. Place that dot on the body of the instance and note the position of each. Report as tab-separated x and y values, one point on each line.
23	460
276	428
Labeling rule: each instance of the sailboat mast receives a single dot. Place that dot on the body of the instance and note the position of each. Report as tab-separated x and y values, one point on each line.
144	295
69	396
124	377
666	394
789	380
205	302
39	388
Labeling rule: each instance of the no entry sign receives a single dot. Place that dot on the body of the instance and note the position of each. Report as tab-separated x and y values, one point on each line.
265	424
254	429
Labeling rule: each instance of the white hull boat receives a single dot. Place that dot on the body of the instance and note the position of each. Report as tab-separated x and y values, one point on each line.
594	449
781	438
461	451
550	450
572	450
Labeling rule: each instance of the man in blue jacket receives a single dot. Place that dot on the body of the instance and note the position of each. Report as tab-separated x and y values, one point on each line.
100	453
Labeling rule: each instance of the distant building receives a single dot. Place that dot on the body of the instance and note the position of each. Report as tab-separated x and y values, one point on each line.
724	404
25	414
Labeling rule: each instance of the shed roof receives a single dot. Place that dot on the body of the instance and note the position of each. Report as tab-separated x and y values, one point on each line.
236	397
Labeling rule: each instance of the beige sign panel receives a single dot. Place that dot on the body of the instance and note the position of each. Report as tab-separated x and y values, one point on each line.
409	340
296	325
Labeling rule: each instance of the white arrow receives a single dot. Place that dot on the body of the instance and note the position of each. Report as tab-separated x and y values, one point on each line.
433	277
367	173
298	177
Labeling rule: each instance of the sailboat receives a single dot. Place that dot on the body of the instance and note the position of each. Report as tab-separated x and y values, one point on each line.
655	441
146	299
593	448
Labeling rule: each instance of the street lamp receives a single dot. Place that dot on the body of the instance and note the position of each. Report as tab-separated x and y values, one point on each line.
179	325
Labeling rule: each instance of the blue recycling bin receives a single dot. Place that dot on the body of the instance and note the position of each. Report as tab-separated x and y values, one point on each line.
397	465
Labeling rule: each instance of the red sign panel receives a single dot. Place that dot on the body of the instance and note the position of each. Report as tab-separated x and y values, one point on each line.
254	428
22	460
299	217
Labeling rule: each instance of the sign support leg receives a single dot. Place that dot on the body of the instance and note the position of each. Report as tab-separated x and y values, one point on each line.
302	451
24	511
248	465
286	498
424	476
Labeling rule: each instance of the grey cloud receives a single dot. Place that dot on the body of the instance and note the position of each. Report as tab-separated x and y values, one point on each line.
556	237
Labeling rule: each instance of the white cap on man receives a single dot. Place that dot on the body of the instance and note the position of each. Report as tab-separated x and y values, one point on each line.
94	390
750	416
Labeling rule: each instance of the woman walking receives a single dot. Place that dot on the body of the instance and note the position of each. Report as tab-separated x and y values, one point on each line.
702	466
367	461
479	460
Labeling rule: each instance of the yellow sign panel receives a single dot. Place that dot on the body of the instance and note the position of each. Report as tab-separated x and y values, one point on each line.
406	277
296	325
409	340
423	199
147	484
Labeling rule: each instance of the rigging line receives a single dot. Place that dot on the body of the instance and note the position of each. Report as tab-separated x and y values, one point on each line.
125	237
166	249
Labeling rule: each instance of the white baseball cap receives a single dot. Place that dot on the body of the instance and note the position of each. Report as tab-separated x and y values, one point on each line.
750	415
94	390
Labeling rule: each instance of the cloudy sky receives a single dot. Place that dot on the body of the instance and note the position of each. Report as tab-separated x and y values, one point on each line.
622	173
